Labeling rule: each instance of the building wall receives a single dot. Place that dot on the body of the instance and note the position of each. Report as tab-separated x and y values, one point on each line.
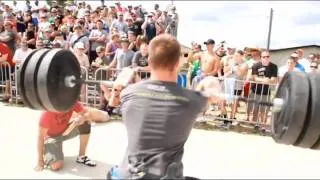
280	57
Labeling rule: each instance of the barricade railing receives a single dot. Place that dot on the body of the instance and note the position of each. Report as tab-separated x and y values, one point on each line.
5	79
230	109
84	88
243	112
15	85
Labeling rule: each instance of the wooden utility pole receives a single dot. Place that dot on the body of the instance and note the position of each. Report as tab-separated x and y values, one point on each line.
270	27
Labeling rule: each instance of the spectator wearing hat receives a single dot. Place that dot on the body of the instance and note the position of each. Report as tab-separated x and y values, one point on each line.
78	36
102	59
150	27
97	37
43	23
53	15
123	57
120	24
79	51
136	25
47	36
299	66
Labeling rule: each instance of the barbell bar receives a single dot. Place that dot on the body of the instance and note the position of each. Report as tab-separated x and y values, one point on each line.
51	80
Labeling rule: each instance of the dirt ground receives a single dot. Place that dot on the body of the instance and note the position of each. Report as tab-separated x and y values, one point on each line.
208	154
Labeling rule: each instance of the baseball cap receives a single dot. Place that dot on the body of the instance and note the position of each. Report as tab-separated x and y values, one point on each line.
294	55
79	45
100	49
124	39
209	41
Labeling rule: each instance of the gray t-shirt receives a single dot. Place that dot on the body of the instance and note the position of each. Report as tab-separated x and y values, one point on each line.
123	59
159	117
140	60
97	33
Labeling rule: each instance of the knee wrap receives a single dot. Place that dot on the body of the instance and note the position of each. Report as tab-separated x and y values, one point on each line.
85	128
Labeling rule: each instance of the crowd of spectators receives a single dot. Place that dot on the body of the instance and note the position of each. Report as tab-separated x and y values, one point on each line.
109	36
249	72
115	36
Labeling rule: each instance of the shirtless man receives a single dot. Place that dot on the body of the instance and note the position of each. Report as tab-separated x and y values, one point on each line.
209	63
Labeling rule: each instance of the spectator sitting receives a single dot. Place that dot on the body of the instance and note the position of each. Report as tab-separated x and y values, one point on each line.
102	59
21	53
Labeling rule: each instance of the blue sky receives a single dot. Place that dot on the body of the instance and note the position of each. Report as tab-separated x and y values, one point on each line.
244	23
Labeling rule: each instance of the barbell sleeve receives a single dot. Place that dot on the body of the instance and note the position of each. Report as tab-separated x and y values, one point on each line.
71	81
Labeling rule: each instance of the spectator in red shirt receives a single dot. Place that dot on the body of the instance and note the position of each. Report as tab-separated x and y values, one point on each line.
54	128
6	55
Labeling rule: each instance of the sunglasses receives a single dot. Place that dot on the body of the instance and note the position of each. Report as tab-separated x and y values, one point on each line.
315	67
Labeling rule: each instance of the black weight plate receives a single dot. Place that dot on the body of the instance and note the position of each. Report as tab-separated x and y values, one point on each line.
30	79
310	137
56	65
20	80
287	124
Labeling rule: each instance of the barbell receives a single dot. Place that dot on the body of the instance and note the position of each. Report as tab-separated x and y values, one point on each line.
50	79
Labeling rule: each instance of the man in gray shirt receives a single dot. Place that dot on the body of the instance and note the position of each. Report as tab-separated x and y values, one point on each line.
123	56
158	115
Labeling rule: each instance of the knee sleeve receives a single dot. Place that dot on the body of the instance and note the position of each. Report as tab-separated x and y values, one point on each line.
84	128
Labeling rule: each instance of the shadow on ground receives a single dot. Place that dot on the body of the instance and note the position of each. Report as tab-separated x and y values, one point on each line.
210	125
81	170
240	128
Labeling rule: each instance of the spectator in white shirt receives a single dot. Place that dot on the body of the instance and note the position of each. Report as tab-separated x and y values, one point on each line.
303	61
81	56
290	66
21	54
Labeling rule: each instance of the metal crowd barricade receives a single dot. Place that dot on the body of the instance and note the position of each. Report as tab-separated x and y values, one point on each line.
84	88
95	96
5	76
245	112
15	85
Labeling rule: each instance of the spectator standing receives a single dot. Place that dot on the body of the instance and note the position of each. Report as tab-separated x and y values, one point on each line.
123	56
8	36
78	36
112	46
79	51
303	61
264	73
98	37
120	24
